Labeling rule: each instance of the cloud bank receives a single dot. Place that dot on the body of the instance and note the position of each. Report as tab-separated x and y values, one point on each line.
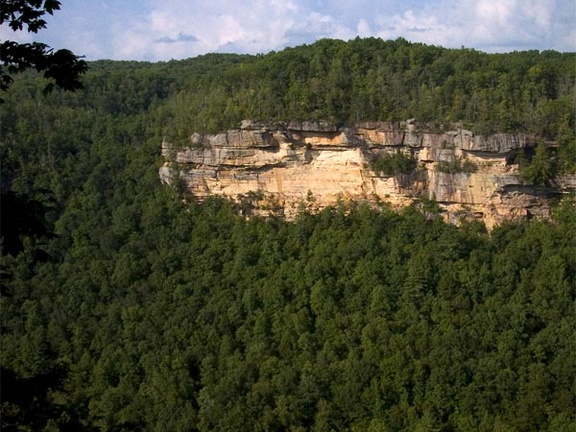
173	29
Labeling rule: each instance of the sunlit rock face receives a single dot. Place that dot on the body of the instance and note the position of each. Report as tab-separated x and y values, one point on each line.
283	168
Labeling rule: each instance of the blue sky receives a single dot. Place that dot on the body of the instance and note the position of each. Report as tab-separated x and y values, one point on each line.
174	29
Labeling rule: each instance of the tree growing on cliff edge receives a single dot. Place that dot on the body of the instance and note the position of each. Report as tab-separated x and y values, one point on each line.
62	67
541	168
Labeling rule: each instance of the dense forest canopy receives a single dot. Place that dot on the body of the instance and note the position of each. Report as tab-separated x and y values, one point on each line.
125	309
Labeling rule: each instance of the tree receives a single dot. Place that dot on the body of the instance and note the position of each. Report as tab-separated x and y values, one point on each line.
62	67
541	169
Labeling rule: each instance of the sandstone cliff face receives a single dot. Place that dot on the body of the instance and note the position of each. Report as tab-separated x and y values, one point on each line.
283	168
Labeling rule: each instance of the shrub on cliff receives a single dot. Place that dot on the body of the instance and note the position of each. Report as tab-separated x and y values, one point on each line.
457	166
541	169
393	164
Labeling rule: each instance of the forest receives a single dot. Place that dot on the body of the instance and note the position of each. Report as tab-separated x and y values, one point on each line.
127	306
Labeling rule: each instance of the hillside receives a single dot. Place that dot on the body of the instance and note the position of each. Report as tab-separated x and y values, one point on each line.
126	305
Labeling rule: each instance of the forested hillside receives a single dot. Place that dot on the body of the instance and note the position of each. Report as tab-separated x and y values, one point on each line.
127	308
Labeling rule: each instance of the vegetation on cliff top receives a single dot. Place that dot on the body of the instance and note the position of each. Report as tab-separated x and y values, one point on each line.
123	310
371	79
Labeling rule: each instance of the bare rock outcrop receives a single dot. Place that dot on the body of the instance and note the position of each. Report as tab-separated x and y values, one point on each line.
282	168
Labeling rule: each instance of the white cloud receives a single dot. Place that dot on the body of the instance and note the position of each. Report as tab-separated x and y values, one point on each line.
165	29
490	25
255	27
363	28
497	12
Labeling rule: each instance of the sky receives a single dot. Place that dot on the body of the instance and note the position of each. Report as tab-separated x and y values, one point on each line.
158	30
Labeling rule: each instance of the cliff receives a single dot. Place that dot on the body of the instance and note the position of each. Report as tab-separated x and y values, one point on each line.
279	169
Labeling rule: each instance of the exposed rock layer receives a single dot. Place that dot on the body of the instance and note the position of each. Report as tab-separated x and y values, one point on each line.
282	168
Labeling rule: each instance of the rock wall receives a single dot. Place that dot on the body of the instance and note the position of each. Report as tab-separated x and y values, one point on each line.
280	169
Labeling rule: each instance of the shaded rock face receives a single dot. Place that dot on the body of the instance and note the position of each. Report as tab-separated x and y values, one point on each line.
280	169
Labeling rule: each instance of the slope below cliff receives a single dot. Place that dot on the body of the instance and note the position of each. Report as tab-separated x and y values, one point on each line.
280	169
